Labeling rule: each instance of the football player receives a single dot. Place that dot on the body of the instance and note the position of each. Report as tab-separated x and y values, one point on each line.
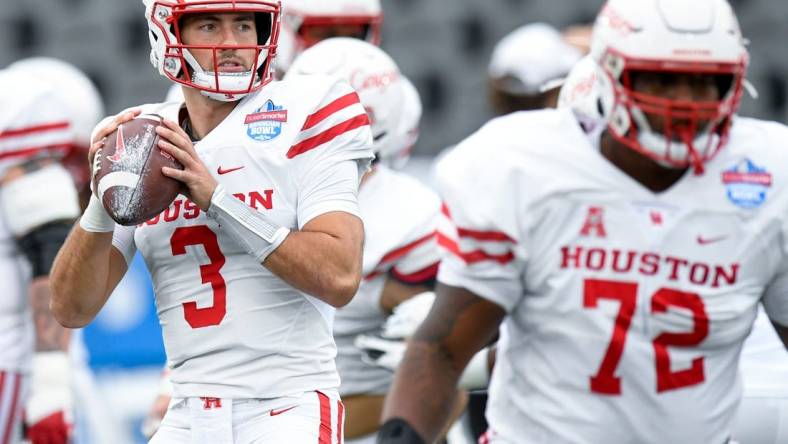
527	67
624	266
763	414
42	124
250	262
85	109
304	24
401	216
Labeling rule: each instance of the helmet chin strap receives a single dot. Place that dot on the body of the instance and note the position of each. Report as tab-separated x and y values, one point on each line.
222	81
234	81
661	148
695	159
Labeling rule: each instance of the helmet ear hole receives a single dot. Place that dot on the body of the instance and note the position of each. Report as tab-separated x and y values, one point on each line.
263	24
724	84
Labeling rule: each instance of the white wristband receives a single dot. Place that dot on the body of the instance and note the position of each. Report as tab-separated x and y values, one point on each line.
477	374
95	219
256	233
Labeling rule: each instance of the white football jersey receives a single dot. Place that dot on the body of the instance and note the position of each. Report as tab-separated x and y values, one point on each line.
294	150
400	221
764	362
627	309
33	124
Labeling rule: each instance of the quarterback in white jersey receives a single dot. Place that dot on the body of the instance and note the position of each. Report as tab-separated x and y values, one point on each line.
624	267
401	252
249	263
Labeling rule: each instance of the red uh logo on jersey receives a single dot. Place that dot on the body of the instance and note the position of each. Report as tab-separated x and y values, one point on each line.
594	224
211	403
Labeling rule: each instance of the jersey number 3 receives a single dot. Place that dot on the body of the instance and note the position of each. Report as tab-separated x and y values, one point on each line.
605	381
210	273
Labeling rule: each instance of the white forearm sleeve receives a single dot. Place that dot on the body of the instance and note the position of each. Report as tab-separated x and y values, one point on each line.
257	234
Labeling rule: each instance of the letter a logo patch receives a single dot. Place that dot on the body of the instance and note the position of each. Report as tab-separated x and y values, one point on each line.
594	224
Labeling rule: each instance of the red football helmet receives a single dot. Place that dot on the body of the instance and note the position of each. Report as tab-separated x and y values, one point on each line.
173	59
668	37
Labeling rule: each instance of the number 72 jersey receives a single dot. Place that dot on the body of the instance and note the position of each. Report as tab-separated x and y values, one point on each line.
626	309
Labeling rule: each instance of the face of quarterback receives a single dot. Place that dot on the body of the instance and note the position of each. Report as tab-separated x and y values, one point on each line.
688	90
221	29
314	34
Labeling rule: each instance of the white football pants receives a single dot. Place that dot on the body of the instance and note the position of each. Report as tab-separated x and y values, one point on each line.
311	418
12	399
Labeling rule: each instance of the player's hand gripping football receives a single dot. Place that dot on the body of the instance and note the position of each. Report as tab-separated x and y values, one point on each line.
100	138
199	182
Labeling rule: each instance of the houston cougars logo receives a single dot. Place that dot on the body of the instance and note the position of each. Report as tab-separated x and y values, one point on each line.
120	147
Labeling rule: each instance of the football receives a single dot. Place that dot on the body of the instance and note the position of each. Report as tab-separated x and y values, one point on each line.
129	181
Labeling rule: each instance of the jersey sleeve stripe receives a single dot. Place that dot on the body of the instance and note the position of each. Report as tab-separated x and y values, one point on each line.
475	256
485	235
402	251
496	236
373	275
424	275
328	135
399	253
323	113
34	129
33	151
445	210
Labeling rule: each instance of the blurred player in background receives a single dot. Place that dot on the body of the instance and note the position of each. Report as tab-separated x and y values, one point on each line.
525	73
624	265
43	119
527	67
265	243
84	105
401	216
308	22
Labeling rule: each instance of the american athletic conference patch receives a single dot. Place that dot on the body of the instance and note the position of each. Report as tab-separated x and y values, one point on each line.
266	122
746	184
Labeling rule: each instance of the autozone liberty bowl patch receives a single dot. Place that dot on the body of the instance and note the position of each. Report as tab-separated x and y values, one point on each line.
746	184
266	122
